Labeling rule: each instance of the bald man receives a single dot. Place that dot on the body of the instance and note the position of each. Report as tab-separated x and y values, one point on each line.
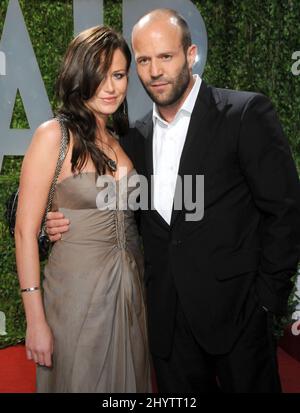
213	283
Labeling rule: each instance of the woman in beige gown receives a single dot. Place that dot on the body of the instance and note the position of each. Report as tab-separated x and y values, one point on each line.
87	332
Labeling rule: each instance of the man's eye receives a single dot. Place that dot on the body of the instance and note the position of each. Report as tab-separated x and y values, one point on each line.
143	61
167	57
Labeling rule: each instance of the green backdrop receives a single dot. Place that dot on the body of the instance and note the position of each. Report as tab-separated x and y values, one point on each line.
250	46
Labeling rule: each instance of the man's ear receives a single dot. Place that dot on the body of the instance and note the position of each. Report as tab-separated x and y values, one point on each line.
191	55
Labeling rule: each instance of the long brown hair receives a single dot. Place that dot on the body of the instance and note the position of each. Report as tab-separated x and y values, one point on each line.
84	66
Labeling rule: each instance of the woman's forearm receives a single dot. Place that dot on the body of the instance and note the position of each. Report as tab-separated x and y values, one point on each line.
27	257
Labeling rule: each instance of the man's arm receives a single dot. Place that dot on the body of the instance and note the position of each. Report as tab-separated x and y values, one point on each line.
270	172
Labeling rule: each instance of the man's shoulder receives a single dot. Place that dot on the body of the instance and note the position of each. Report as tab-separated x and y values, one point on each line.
239	102
234	97
142	126
132	140
144	120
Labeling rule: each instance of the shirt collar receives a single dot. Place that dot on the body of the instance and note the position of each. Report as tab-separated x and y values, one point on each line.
188	104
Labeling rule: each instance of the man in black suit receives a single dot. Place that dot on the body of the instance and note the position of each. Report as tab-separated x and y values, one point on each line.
213	284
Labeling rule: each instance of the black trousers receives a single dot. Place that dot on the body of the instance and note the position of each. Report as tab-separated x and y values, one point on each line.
250	367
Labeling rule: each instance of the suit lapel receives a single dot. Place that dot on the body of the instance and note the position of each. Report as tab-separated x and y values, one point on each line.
145	127
198	138
196	126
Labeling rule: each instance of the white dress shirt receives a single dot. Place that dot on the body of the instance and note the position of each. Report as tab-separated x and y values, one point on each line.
168	142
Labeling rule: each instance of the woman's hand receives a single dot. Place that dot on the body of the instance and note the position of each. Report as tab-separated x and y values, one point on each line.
39	344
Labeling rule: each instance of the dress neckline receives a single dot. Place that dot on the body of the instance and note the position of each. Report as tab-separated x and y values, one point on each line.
94	173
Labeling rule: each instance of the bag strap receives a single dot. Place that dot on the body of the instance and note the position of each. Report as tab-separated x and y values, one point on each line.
61	157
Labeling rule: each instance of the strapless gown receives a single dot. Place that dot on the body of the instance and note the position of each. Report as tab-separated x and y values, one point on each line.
94	296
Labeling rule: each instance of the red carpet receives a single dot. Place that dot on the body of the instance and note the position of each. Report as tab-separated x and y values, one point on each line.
17	374
289	369
291	342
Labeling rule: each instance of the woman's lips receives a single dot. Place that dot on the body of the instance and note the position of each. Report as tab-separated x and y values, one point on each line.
109	100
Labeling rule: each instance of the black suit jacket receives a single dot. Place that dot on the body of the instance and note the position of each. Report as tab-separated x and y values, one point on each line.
245	250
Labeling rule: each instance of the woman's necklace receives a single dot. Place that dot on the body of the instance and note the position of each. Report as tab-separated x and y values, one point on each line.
112	165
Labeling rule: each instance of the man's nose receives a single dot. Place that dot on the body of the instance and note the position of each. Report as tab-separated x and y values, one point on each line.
155	69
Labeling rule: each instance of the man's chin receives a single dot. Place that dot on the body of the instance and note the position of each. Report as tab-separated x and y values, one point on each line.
161	101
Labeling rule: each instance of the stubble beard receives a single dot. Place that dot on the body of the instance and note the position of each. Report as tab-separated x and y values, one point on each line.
179	86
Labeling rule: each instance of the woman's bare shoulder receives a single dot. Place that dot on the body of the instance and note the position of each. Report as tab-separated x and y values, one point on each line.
49	130
45	142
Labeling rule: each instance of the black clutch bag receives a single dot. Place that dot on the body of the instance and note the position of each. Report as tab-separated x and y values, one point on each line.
12	202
